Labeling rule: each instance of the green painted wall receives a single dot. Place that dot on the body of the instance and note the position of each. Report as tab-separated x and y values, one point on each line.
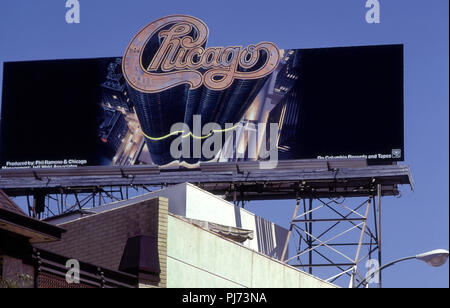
198	258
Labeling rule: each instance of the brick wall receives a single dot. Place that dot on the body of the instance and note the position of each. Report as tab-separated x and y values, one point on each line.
100	239
47	280
162	238
15	273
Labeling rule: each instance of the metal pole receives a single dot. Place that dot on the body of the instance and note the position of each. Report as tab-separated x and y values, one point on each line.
290	230
77	200
379	231
121	193
361	238
34	207
62	200
385	266
29	205
310	257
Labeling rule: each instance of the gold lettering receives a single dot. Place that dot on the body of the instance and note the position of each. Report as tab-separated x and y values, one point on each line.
182	51
211	57
190	58
169	45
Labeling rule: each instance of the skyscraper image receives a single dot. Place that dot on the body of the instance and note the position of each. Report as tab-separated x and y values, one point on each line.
114	89
112	130
158	112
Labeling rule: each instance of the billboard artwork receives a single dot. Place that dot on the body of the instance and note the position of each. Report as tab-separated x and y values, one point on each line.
173	101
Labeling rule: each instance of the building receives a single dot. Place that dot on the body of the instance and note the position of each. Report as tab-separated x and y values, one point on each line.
114	90
157	112
276	102
145	242
287	112
18	233
203	208
181	236
23	265
112	130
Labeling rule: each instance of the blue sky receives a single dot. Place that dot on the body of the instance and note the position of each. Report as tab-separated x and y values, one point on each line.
416	222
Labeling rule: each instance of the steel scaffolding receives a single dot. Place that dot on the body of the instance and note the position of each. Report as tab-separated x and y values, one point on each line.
336	225
333	232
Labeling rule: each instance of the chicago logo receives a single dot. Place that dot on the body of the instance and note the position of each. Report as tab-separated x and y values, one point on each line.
172	51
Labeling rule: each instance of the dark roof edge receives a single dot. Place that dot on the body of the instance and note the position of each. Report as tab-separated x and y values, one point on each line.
31	223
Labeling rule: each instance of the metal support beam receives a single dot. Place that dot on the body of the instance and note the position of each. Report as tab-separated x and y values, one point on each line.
379	232
286	244
335	231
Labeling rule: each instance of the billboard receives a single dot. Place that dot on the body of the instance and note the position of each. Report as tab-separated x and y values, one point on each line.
172	101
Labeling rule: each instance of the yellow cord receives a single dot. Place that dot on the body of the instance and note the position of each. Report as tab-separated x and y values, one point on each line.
189	134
